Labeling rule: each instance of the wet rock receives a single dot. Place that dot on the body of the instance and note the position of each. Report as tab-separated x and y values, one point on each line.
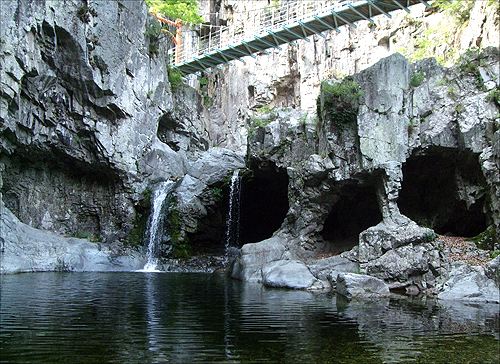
352	285
467	283
292	274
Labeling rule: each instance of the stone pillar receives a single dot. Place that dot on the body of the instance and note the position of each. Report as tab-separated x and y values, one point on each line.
387	190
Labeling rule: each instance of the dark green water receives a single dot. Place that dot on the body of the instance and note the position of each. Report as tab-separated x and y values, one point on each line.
201	318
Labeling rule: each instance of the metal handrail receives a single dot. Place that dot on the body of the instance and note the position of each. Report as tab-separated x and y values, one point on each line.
258	23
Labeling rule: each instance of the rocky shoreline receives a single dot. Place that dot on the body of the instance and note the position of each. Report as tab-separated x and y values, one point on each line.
466	272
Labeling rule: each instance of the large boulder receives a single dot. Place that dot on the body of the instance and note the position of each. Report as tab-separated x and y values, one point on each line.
292	274
351	285
376	240
467	283
402	263
253	257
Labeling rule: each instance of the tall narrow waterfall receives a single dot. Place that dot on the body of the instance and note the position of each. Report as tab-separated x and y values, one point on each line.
155	225
233	220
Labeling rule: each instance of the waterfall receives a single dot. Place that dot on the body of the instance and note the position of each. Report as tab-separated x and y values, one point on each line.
155	225
233	220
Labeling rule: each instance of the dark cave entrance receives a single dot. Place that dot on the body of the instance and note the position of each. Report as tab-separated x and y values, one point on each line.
355	211
263	207
430	192
264	202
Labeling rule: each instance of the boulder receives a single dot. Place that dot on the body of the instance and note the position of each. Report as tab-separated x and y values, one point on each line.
469	284
404	262
492	270
329	268
376	240
351	285
292	274
252	258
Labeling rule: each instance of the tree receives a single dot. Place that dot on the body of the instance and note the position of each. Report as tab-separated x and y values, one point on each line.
186	10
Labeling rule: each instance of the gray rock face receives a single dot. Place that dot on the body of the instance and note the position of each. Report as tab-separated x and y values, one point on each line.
253	257
292	274
193	193
26	249
492	270
352	285
468	284
88	117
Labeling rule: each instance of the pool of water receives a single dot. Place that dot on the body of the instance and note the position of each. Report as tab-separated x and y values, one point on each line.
208	318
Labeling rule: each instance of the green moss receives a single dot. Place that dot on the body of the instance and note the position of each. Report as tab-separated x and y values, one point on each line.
340	102
494	96
142	212
417	79
153	32
180	245
486	240
217	193
83	13
175	78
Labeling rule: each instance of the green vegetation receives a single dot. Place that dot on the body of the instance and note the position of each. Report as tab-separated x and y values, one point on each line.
468	62
142	212
207	99
438	41
269	114
459	11
217	193
340	102
494	95
87	235
486	240
417	79
429	238
85	12
175	78
459	109
303	120
153	32
185	10
180	247
452	92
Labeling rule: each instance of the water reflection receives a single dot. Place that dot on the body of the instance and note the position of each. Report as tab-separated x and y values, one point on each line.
189	318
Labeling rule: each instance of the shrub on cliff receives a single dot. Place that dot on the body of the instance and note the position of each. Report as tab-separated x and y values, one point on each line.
339	101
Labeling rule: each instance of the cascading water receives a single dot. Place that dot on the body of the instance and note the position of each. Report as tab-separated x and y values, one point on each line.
233	220
156	224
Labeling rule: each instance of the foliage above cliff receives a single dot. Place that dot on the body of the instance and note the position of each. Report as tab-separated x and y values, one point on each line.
339	101
186	10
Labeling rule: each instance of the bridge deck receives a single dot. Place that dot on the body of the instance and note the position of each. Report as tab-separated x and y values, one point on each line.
297	28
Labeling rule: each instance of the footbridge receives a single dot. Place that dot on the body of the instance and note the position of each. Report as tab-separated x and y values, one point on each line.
273	26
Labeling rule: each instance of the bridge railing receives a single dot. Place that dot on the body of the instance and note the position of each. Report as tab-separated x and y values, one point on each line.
210	38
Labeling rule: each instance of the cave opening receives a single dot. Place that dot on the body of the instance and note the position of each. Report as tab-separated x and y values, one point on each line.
445	190
355	211
264	202
263	207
